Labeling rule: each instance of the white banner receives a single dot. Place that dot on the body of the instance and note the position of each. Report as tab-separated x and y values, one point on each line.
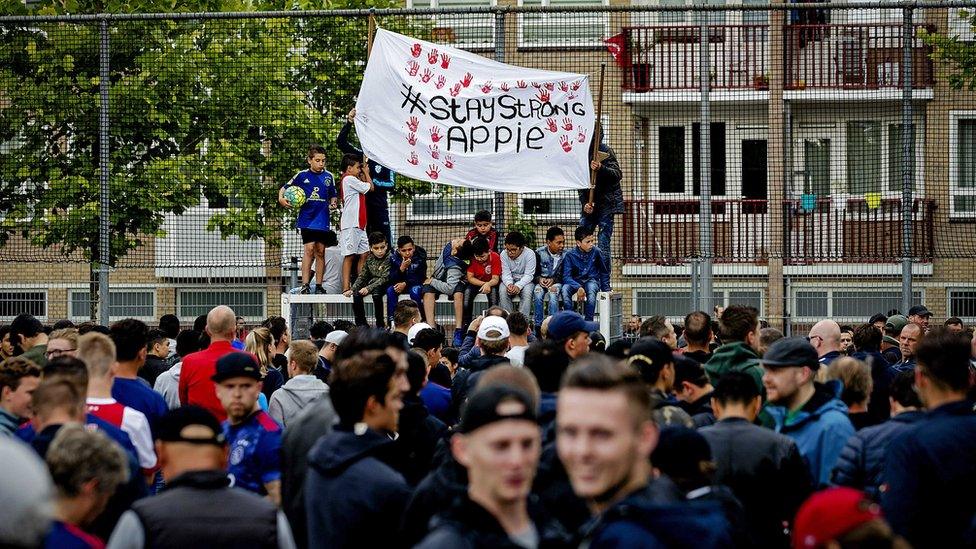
444	115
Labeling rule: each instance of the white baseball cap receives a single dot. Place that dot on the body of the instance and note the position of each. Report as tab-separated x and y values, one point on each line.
336	336
415	329
493	324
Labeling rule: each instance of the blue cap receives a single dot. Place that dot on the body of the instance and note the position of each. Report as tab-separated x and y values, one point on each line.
236	364
791	352
566	323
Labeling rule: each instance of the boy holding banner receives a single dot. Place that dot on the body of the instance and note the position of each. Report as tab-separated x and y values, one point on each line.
356	182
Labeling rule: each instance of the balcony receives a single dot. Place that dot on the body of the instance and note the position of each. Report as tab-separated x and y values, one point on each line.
861	56
666	232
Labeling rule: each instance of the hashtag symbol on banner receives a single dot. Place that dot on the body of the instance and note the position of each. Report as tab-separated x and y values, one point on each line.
413	99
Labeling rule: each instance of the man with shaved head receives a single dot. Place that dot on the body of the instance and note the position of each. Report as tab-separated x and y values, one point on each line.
196	387
909	338
825	338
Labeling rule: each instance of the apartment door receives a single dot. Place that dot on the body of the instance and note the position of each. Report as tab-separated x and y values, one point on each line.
754	185
750	239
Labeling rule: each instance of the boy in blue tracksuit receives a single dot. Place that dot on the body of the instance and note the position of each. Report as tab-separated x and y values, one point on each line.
408	270
584	273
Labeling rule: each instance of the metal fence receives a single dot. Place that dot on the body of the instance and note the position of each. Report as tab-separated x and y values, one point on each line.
810	159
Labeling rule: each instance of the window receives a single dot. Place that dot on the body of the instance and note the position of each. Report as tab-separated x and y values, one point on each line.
196	302
962	163
121	304
810	305
816	161
749	298
686	17
464	30
962	303
863	157
756	17
553	206
15	302
717	161
564	28
671	159
847	305
451	206
673	303
896	157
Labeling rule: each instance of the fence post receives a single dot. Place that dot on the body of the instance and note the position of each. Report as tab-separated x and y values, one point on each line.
499	200
908	158
103	175
705	172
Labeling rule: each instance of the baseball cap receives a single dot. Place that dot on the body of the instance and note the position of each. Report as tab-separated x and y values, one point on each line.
687	369
566	323
878	317
236	364
919	310
415	329
190	424
791	352
336	336
895	324
484	407
830	514
494	324
890	340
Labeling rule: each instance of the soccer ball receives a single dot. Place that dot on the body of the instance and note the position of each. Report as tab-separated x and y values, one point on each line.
295	196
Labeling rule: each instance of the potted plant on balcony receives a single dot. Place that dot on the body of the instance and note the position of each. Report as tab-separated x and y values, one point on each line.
638	51
760	82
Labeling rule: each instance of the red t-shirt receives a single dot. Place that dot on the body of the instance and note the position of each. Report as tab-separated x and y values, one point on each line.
484	271
196	387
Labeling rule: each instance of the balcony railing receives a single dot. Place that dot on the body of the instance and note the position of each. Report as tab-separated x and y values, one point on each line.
842	56
666	232
853	56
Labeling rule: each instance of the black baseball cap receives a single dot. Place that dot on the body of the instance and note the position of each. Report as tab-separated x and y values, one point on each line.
791	352
687	369
878	317
482	407
191	424
919	310
237	364
651	351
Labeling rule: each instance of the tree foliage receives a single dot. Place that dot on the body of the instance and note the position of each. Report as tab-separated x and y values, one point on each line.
958	55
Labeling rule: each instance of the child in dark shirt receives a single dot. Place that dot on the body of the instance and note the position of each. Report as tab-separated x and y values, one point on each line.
483	227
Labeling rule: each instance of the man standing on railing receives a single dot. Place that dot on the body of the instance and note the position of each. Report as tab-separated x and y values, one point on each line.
608	200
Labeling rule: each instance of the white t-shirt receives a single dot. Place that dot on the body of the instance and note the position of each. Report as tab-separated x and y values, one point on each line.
353	203
134	424
516	355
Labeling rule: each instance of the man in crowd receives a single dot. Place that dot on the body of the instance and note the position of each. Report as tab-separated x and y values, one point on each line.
698	336
352	493
632	328
908	341
327	353
920	315
763	468
890	345
19	378
803	410
130	337
27	334
302	387
157	351
693	390
405	315
654	360
499	445
929	467
604	438
196	387
572	332
661	328
518	339
825	338
254	436
198	507
955	324
492	338
739	330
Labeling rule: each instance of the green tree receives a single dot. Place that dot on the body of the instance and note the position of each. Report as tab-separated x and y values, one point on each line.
958	55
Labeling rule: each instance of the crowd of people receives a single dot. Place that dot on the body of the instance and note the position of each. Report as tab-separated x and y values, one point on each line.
715	433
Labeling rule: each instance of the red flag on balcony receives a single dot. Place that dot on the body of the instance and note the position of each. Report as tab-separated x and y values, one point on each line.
615	45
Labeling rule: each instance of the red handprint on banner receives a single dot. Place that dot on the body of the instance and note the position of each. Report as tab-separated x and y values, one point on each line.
543	96
445	60
432	56
563	87
536	85
449	162
568	124
412	68
426	76
571	96
576	85
413	159
549	86
486	87
455	90
413	124
581	136
551	124
435	153
566	143
521	85
412	138
416	50
433	171
435	134
504	87
466	81
441	80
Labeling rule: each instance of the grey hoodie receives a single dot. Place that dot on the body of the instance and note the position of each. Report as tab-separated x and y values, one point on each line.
168	385
292	397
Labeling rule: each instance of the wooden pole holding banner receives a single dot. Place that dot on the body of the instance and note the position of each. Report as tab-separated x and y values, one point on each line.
597	132
371	21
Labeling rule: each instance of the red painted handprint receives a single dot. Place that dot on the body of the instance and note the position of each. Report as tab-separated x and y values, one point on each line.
426	76
435	153
521	85
413	159
455	90
440	82
536	85
433	171
466	81
435	134
571	96
412	68
413	124
581	136
416	50
566	143
563	87
486	87
543	96
445	60
551	124
449	162
412	138
567	124
432	56
504	87
576	85
549	86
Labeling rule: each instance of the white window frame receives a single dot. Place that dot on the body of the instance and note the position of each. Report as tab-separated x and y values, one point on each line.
115	290
954	190
949	311
829	290
262	290
724	291
489	18
452	195
603	17
47	303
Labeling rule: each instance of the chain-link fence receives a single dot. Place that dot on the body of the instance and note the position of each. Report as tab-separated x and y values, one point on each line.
810	160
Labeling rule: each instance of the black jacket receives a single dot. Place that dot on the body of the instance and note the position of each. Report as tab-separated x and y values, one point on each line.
861	462
765	471
152	368
466	378
608	196
467	525
353	497
434	495
418	435
314	422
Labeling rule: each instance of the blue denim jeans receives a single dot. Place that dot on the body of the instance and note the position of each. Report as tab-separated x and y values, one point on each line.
416	294
605	233
591	287
541	296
